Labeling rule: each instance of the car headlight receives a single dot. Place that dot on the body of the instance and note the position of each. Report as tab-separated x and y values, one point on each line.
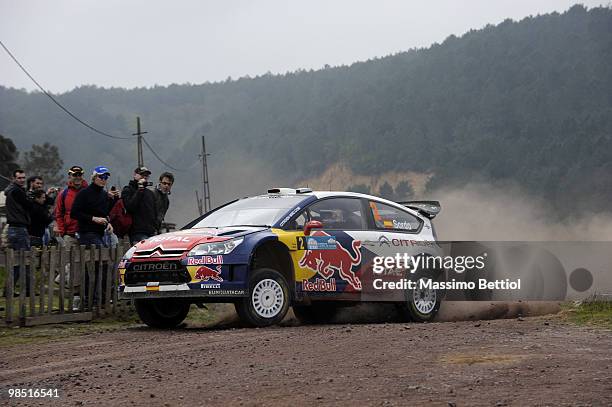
224	247
128	255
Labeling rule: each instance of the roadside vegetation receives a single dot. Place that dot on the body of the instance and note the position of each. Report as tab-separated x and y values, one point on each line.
595	311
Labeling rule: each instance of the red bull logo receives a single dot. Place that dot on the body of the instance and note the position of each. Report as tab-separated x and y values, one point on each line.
326	262
206	273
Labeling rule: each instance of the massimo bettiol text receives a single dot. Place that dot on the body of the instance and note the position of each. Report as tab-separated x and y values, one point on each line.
419	271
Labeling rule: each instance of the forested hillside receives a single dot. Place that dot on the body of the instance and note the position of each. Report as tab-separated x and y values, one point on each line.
529	101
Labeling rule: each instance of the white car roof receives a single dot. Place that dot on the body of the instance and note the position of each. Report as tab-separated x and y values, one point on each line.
328	194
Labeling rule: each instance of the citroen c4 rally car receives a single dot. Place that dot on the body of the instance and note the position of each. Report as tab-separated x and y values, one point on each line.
290	247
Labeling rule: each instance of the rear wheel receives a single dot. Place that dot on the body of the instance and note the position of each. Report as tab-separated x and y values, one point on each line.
162	313
268	299
422	303
315	313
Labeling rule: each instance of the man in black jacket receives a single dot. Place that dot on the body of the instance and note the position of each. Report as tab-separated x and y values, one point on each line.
139	201
91	208
18	208
162	203
40	218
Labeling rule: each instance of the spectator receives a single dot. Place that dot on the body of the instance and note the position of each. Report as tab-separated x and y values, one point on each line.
166	180
18	209
35	183
91	208
139	201
40	218
66	228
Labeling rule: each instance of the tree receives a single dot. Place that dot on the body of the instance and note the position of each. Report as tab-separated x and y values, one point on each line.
360	188
404	191
8	156
44	161
386	191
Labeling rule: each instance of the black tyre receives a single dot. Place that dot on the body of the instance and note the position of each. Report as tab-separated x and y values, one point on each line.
268	300
315	313
421	303
162	313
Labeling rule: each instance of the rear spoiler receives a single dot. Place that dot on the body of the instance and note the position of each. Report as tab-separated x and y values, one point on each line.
428	209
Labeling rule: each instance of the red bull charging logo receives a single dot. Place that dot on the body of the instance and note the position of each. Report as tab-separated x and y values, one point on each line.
206	273
326	262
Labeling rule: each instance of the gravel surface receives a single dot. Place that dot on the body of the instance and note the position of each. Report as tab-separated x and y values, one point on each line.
511	362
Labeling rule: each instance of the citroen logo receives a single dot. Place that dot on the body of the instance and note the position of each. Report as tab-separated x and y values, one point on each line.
384	240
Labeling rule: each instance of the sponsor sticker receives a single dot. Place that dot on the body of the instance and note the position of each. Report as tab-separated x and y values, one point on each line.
321	243
319	285
199	260
206	273
169	239
160	266
210	286
293	212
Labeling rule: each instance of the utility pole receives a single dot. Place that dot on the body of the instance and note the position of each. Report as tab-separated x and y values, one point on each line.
204	204
139	135
199	202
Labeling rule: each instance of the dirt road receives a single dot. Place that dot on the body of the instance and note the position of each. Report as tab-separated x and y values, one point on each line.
530	361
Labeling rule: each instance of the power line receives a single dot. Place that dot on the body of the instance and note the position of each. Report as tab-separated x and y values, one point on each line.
58	103
159	158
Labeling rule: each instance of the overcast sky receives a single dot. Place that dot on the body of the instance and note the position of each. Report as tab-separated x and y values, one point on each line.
68	43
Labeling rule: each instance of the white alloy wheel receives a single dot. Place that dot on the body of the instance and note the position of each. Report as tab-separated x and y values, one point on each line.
268	298
424	299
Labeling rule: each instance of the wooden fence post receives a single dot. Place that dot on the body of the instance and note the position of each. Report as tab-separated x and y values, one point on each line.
10	284
32	259
22	285
62	277
91	272
71	277
43	268
83	270
52	258
108	271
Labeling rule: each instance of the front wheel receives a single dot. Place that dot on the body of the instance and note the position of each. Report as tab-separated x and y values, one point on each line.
268	299
162	313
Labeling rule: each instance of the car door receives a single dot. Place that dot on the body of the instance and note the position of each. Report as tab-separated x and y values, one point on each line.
392	231
328	261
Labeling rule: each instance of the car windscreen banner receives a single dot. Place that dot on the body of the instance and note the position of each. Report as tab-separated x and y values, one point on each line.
485	270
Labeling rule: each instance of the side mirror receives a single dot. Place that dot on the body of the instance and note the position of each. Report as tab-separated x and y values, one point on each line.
313	224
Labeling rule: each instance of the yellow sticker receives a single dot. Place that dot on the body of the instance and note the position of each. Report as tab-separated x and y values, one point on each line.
388	224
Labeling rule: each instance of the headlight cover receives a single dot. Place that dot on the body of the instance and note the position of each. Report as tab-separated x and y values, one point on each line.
209	249
128	255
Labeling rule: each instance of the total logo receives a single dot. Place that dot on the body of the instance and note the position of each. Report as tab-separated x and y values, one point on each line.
326	262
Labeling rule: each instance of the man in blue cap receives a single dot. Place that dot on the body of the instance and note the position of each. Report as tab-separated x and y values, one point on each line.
91	208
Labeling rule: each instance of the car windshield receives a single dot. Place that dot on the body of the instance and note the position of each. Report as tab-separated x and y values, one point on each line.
262	210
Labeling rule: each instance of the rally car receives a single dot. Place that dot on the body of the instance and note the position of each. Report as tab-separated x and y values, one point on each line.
289	247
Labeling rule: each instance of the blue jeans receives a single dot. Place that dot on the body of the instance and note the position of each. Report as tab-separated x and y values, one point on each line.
19	239
87	239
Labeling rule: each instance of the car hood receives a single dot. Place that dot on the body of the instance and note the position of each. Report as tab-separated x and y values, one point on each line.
188	238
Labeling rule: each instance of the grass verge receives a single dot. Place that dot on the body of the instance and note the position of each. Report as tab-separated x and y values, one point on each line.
594	311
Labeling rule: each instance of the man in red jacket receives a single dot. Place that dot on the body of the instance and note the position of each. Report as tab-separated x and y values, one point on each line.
65	226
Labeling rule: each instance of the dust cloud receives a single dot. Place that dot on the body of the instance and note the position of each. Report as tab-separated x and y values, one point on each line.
479	211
